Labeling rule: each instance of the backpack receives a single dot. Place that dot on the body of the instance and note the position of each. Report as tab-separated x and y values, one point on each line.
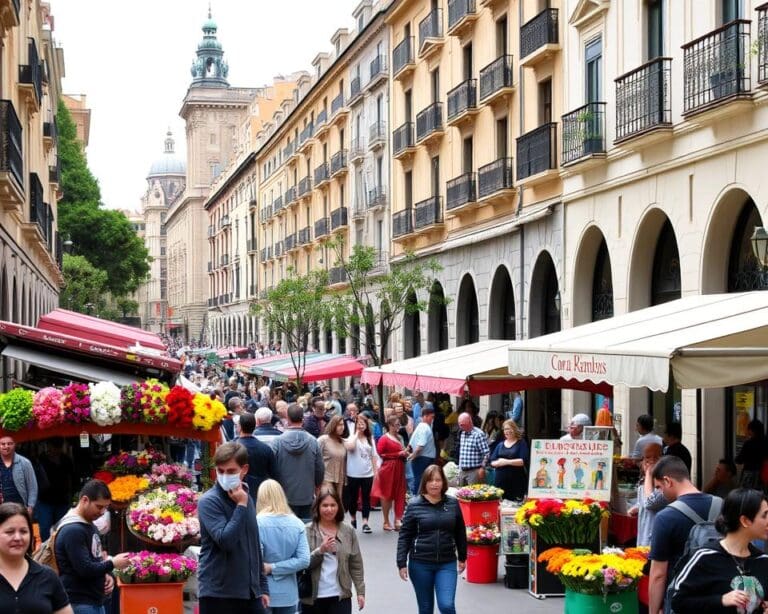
45	553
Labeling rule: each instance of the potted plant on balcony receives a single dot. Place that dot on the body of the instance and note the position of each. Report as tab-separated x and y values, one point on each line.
588	132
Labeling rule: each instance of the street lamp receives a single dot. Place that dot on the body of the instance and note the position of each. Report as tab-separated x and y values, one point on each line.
759	241
67	245
558	302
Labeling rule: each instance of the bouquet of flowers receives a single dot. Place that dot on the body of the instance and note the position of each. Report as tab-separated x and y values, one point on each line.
130	402
76	403
165	515
613	571
46	407
180	411
146	567
169	473
484	534
135	463
16	409
479	492
207	412
125	488
105	403
563	522
153	406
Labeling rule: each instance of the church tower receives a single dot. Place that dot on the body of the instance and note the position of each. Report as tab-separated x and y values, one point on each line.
210	69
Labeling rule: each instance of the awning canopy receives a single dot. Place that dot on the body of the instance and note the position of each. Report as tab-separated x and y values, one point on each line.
317	367
478	368
709	341
225	352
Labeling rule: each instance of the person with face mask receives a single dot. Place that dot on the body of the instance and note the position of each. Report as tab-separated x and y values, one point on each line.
230	574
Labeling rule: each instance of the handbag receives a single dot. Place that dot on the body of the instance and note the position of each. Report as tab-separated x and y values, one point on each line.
304	583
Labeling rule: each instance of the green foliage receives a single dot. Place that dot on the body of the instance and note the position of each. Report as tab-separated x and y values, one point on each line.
77	182
16	409
127	306
85	286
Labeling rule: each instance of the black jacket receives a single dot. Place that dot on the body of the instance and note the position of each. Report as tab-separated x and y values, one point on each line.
433	533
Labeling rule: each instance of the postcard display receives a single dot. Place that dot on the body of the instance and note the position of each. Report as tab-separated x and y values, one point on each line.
565	469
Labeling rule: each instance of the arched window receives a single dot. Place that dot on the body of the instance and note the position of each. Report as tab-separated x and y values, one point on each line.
602	285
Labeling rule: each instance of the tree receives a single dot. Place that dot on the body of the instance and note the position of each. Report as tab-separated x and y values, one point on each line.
292	309
85	285
77	182
127	306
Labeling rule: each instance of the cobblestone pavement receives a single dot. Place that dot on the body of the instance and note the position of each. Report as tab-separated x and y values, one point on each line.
388	594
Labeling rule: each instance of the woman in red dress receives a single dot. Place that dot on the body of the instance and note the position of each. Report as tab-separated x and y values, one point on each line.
391	477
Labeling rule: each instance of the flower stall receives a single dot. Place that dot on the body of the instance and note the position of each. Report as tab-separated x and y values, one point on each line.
154	582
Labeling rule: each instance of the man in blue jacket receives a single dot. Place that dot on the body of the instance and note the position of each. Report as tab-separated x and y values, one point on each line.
231	575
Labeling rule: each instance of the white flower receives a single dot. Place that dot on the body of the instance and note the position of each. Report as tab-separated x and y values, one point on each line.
105	403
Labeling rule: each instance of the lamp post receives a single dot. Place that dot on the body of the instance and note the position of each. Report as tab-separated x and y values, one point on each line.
759	241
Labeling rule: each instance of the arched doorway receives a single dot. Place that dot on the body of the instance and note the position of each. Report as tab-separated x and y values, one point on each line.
744	272
411	327
467	317
602	285
501	308
665	281
437	339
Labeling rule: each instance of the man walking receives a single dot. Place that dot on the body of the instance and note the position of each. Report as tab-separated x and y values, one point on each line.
17	476
231	575
85	571
315	422
261	459
473	451
265	432
298	464
422	444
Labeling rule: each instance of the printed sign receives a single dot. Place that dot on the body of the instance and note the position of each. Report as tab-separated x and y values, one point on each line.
571	469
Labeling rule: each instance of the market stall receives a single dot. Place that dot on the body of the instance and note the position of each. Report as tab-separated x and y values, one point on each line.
317	366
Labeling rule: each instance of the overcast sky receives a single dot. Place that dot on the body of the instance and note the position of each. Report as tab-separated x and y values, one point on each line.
132	60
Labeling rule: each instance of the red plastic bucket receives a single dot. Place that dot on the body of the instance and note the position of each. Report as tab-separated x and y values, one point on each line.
479	512
482	564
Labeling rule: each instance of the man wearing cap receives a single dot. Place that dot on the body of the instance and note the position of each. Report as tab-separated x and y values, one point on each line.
576	427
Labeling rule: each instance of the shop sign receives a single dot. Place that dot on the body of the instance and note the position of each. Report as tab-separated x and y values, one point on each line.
571	469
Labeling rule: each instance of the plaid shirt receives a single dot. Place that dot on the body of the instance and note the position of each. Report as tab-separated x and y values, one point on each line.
473	448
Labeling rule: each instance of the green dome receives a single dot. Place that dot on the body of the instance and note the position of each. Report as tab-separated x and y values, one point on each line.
210	25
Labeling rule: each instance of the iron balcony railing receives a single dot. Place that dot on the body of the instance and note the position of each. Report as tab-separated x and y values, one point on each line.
288	150
321	173
32	72
428	212
277	204
717	65
37	208
462	98
496	76
378	68
224	221
337	104
306	133
495	177
305	186
265	213
431	27
402	222
357	149
540	31
460	191
429	120
322	227
584	132
643	100
339	218
290	195
289	242
402	138
377	133
11	152
54	171
337	275
338	161
402	55
762	43
354	88
321	118
211	230
50	130
458	10
537	151
278	249
266	253
377	197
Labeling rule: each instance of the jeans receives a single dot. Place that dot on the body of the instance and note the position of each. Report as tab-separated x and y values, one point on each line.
192	452
354	487
221	605
328	605
284	609
432	580
85	608
303	512
418	465
48	514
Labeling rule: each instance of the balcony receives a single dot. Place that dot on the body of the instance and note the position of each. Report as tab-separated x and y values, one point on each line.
251	245
290	196
211	302
288	150
252	202
462	103
304	236
11	157
31	77
322	174
461	192
428	214
358	207
54	172
265	214
40	224
211	231
50	134
537	155
339	219
357	150
403	62
378	135
584	134
277	205
539	37
643	100
496	83
224	223
305	187
762	43
429	124
716	67
461	16
377	198
224	260
9	14
339	163
431	33
355	91
321	123
339	110
337	275
402	223
289	243
403	146
265	253
377	71
278	249
495	180
305	138
322	228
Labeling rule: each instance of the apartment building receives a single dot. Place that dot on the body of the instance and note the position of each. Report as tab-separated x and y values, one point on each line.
31	68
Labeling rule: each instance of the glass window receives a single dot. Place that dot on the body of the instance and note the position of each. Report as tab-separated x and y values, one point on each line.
593	60
654	29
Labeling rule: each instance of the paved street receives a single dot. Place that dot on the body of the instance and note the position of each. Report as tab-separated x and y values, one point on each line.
388	593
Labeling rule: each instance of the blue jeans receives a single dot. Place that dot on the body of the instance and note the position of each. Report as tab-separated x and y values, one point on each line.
85	608
432	580
418	465
284	609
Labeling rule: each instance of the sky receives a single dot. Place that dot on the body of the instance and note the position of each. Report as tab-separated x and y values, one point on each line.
132	60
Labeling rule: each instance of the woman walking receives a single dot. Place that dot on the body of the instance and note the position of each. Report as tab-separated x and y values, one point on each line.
510	458
334	454
362	465
391	479
432	546
283	545
335	559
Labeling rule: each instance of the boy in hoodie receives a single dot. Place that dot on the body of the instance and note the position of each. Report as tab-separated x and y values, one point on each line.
298	464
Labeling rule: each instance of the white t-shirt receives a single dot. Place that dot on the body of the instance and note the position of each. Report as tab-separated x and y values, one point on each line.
360	461
328	585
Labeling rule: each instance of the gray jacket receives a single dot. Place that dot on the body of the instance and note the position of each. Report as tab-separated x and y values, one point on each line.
299	465
24	479
348	558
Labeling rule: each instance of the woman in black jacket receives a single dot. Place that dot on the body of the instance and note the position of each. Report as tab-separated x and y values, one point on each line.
431	540
730	575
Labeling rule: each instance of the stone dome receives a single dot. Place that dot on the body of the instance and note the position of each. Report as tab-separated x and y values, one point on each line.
169	163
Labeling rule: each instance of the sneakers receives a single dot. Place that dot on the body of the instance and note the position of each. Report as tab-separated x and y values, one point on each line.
353	522
367	529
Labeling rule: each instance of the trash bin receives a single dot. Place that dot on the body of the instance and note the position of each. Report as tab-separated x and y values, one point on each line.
516	571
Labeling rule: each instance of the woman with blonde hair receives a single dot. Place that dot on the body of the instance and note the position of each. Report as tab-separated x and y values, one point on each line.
510	458
334	453
284	546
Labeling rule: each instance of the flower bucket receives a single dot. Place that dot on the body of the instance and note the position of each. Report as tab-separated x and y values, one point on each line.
482	563
479	512
165	598
615	603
